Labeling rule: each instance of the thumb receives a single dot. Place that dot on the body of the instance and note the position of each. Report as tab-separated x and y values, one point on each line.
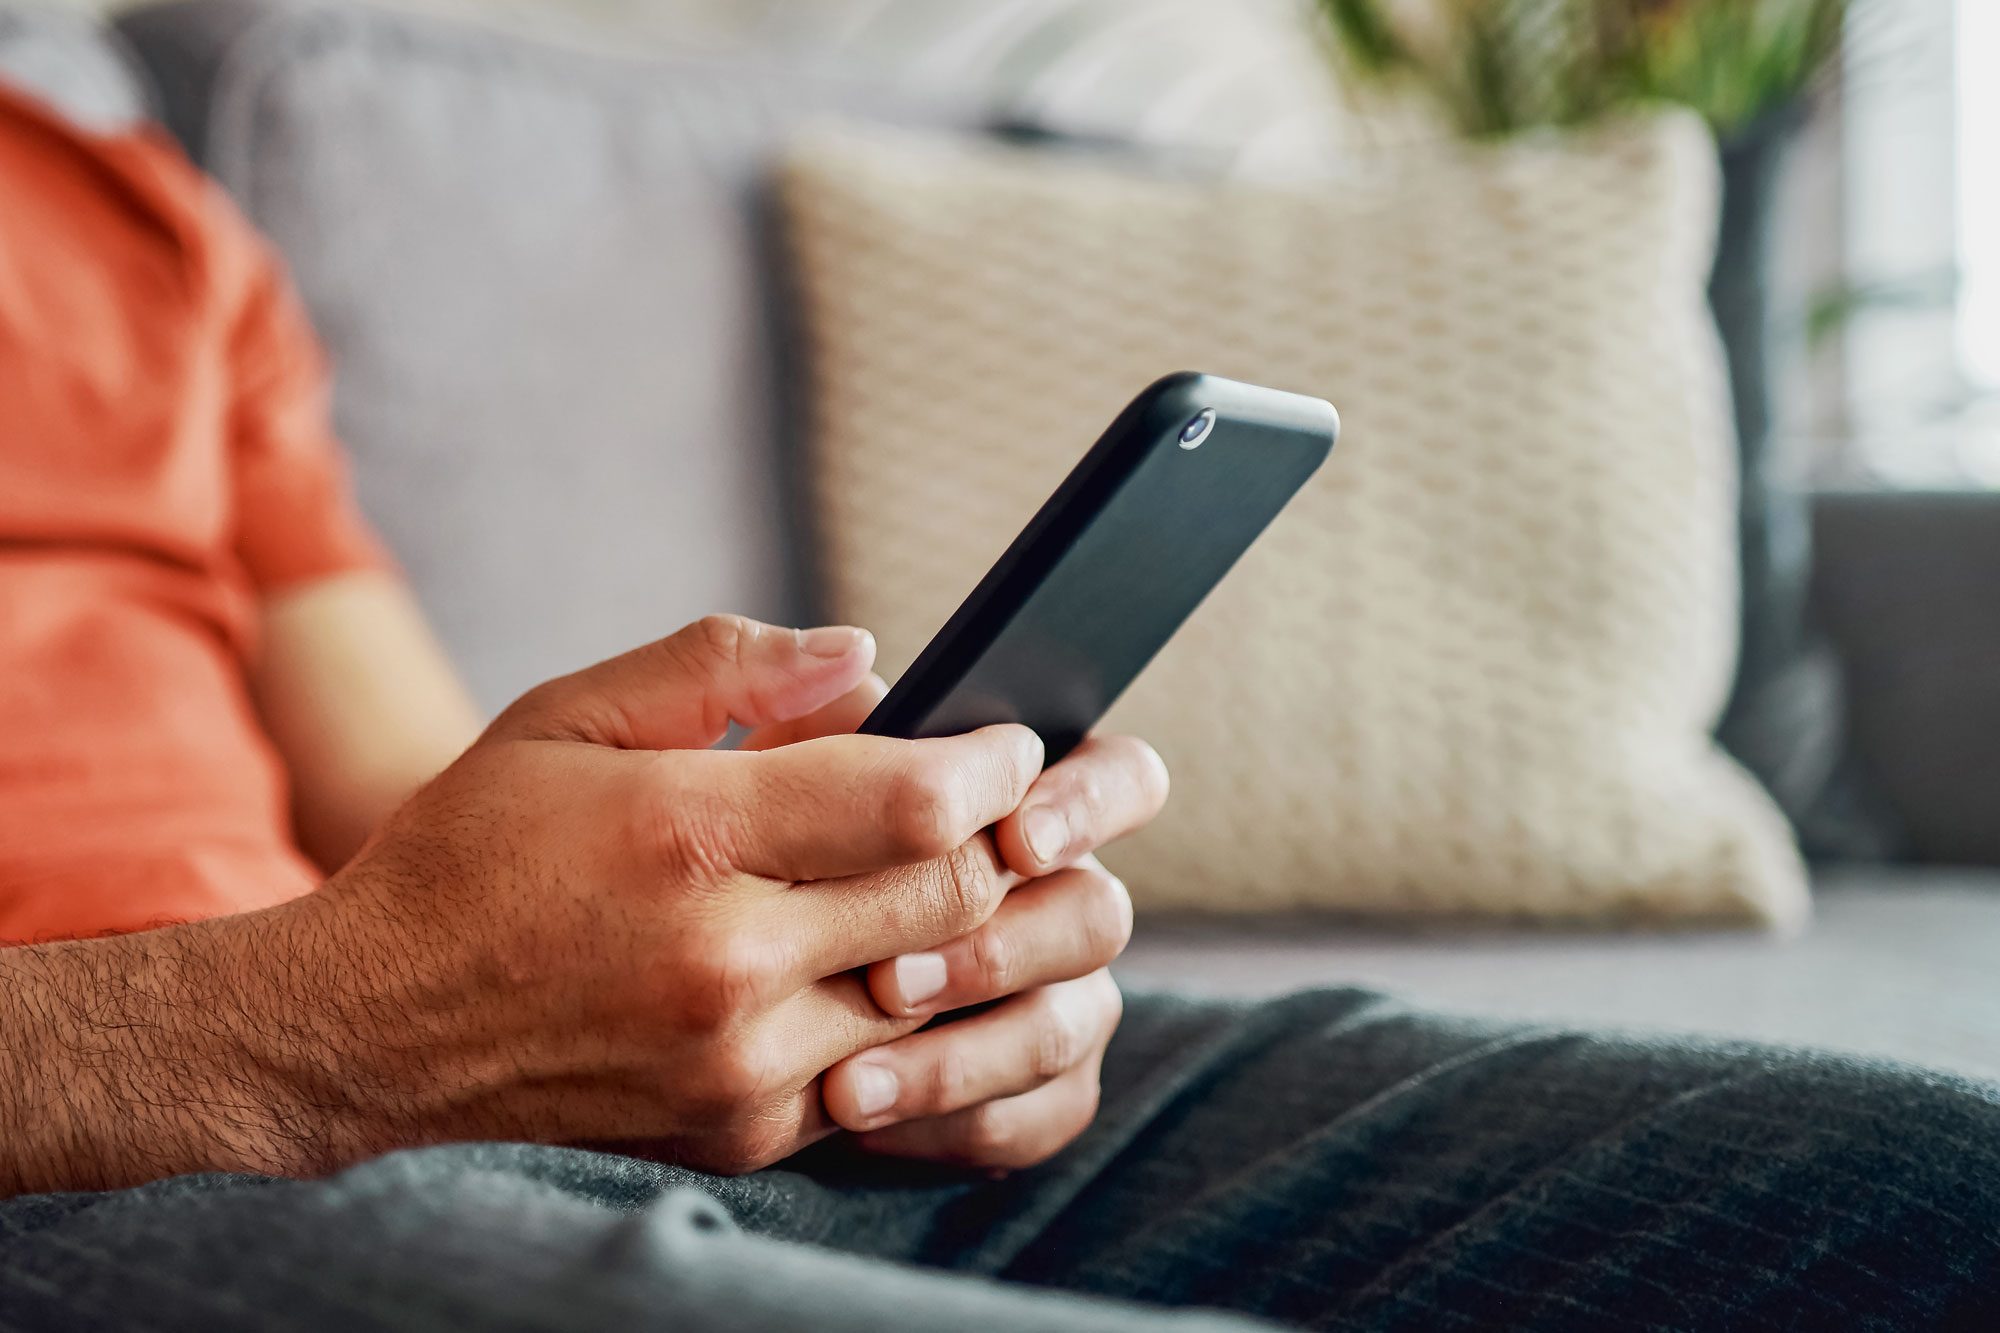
682	692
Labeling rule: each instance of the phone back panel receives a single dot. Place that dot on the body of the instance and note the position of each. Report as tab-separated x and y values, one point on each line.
1124	551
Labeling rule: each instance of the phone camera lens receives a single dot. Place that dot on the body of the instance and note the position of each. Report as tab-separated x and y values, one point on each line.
1198	430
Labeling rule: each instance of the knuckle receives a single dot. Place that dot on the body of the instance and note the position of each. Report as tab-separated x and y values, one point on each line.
926	810
1058	1040
1144	769
1088	795
533	702
683	826
1112	999
1155	780
538	712
948	1085
988	1133
730	976
740	1080
967	889
719	638
714	653
996	962
1105	918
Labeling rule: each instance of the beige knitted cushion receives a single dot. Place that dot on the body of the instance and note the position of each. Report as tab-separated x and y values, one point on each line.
1474	668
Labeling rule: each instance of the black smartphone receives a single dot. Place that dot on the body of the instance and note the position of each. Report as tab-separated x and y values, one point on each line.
1146	525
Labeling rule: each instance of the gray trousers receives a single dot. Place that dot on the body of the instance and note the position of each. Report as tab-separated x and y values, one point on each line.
1331	1160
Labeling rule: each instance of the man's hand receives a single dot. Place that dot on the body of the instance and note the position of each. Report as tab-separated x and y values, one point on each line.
1015	1084
592	928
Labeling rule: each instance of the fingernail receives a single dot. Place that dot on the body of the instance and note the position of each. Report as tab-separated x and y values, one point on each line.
830	640
1047	832
874	1090
919	977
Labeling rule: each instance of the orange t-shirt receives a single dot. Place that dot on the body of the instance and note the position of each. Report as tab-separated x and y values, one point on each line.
165	458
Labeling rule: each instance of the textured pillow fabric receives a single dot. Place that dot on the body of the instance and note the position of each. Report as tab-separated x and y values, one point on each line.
1475	668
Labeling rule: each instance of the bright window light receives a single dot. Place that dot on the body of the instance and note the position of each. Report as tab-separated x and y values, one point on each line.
1979	187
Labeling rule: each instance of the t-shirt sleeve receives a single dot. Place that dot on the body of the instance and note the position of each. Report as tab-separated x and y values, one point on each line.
296	517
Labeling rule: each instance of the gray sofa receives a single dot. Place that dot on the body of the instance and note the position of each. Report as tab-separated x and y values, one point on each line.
546	280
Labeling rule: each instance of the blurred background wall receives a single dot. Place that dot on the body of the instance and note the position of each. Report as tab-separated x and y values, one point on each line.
1887	289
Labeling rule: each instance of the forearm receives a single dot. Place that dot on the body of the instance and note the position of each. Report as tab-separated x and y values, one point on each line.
134	1057
361	701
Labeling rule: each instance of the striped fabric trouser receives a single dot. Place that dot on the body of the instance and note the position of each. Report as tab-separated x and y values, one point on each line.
1331	1160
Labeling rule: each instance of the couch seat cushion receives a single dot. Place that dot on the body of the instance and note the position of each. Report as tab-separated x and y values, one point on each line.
1897	962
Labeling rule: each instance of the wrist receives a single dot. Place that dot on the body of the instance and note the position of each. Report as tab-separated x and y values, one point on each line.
142	1056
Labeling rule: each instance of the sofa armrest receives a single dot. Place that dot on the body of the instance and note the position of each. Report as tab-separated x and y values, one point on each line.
1908	586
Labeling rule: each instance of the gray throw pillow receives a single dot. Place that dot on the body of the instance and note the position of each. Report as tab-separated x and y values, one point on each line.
541	275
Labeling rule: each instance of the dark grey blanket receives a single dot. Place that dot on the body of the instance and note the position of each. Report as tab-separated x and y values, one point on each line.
1331	1160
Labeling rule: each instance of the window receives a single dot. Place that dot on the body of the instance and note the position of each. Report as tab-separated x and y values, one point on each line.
1918	381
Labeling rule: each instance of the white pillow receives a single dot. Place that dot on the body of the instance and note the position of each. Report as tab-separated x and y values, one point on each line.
1476	666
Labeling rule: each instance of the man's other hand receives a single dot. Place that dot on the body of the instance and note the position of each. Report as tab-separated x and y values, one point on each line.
1015	1084
595	928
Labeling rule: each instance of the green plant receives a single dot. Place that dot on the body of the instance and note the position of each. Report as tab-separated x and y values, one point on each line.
1734	60
1502	66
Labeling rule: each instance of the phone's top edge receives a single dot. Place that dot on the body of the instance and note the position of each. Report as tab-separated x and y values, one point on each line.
1191	391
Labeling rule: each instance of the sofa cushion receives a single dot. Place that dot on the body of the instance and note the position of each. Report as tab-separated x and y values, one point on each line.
1897	963
68	59
1474	668
539	274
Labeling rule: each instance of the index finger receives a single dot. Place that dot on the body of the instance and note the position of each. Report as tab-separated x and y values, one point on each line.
839	718
1108	787
848	805
852	922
